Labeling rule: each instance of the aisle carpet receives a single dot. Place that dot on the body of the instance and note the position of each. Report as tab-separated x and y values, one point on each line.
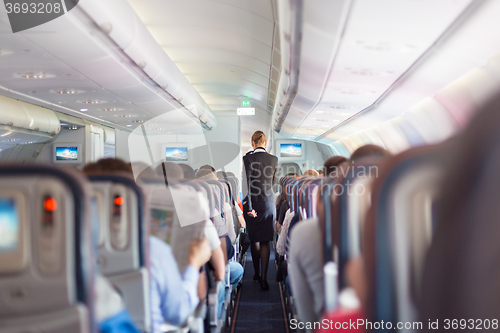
259	311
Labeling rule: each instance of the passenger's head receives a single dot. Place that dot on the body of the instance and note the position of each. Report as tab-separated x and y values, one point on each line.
208	167
206	174
222	174
259	139
310	173
321	172
368	151
187	171
171	170
332	164
230	174
108	165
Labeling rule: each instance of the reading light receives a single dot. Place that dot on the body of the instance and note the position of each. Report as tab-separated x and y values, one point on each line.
33	75
83	110
66	91
91	102
50	204
128	125
111	109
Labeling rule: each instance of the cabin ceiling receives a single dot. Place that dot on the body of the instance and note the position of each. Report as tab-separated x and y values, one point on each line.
366	51
225	49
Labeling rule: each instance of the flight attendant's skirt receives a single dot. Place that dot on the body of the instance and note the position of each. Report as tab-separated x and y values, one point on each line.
261	228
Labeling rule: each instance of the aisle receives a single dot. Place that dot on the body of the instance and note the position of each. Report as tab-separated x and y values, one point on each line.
259	311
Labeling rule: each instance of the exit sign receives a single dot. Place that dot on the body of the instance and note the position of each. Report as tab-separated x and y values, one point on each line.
245	104
245	111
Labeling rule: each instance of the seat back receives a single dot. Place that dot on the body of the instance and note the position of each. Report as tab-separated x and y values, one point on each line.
122	245
351	191
46	266
178	215
398	231
461	271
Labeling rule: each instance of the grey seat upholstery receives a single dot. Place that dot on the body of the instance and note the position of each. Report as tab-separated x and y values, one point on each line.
46	274
123	240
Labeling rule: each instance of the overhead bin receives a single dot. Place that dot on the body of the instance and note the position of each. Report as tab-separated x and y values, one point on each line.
22	123
118	19
121	75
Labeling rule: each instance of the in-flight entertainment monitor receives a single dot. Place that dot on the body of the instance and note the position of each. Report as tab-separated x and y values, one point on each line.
290	150
9	225
13	254
177	152
68	153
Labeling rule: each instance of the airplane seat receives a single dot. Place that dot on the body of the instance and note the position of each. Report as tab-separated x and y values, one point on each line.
234	181
329	240
312	197
178	215
207	190
353	190
461	273
123	242
399	229
45	251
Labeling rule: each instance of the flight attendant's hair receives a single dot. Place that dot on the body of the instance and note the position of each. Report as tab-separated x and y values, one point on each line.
258	137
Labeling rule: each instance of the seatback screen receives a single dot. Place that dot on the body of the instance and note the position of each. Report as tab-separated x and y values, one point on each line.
291	150
162	224
9	225
176	154
66	153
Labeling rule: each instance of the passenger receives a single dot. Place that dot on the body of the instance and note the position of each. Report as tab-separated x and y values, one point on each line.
217	258
310	173
305	257
174	296
208	167
332	165
205	174
321	172
171	171
235	268
187	171
368	151
259	205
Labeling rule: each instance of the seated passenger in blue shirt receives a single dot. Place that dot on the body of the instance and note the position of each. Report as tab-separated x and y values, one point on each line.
174	296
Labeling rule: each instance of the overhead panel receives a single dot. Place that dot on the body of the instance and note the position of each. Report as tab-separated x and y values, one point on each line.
368	51
72	65
226	49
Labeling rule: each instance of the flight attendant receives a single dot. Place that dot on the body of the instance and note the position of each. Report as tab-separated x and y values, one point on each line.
259	205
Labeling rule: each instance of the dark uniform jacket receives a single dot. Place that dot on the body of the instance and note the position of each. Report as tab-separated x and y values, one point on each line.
260	169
